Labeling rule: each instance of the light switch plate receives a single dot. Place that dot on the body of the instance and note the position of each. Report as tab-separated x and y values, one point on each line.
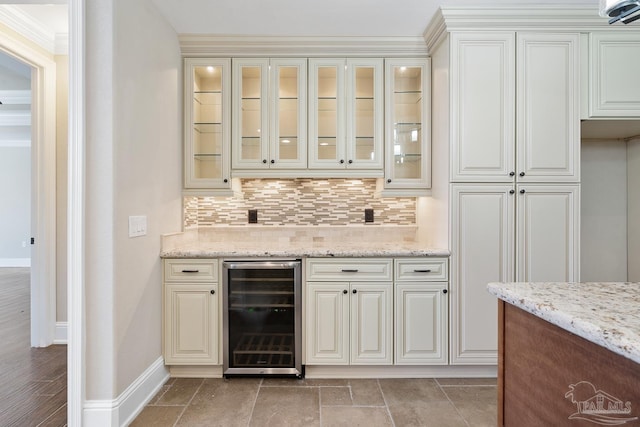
137	225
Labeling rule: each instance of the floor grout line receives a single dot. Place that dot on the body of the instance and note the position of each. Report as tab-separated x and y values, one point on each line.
188	403
386	405
253	407
455	407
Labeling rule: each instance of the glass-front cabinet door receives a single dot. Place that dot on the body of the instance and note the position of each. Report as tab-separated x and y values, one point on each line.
408	133
207	124
345	113
269	120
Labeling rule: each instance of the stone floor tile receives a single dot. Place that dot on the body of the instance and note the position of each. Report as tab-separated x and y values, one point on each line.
411	390
335	396
221	402
466	381
428	414
157	416
180	392
366	392
355	416
477	404
331	382
287	406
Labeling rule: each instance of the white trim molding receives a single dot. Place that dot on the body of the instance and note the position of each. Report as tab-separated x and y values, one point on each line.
15	262
198	45
18	97
25	25
61	333
123	410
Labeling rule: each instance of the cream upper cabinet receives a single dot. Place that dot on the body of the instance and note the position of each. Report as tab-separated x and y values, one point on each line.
515	107
408	132
269	113
483	107
345	113
207	123
614	67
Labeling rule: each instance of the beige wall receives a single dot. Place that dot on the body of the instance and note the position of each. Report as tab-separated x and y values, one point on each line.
62	118
133	167
633	203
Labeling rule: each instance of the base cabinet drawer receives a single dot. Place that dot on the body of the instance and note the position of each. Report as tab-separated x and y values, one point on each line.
421	269
349	269
190	270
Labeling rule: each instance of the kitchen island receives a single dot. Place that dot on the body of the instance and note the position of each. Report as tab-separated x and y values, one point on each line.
569	353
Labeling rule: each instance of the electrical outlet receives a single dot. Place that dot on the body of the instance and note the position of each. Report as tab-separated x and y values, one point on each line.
253	216
368	215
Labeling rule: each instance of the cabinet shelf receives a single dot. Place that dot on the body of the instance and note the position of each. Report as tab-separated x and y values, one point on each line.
208	97
208	128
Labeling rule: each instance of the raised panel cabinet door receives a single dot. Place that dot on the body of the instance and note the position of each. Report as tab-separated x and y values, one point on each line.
482	251
288	113
482	107
548	107
548	233
327	327
614	67
207	123
421	323
250	147
327	126
371	323
191	324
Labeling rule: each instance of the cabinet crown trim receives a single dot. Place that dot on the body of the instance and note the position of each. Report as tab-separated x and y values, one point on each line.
203	45
545	17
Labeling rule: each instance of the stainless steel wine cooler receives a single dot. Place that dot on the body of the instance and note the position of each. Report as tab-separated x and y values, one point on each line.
262	317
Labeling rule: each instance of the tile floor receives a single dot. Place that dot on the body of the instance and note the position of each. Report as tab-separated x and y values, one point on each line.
314	402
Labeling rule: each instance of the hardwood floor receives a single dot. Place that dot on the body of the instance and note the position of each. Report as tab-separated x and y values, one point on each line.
33	381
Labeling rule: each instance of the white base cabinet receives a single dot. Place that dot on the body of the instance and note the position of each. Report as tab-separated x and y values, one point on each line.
505	233
191	309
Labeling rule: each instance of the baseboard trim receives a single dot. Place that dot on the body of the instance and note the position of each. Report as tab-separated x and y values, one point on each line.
123	410
426	371
60	336
15	262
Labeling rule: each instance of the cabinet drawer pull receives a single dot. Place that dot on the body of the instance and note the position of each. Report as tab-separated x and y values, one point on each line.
191	271
422	271
346	270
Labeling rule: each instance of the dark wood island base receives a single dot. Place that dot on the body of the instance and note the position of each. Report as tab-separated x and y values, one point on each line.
550	377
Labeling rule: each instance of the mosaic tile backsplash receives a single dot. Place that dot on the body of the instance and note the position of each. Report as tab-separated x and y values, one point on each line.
300	202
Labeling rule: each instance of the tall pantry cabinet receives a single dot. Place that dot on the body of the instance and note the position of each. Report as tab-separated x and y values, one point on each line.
513	136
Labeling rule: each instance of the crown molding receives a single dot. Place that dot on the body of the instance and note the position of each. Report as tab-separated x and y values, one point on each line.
28	27
198	45
542	17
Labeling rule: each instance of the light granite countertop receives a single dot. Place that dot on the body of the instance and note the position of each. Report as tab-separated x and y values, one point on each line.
607	313
297	242
362	249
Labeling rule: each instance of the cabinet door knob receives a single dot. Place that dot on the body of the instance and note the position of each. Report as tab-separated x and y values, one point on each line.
272	161
350	161
225	180
264	161
512	173
213	291
512	191
521	173
444	291
388	180
345	291
341	161
522	191
354	291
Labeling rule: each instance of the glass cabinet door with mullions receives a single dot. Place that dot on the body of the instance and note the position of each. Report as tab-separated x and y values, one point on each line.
408	102
207	126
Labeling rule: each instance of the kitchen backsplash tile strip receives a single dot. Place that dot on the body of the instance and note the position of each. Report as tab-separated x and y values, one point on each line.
300	202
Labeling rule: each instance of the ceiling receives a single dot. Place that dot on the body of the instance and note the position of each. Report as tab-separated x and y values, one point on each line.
366	18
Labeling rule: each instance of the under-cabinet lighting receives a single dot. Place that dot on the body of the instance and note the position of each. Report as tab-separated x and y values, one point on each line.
210	69
285	141
403	69
324	143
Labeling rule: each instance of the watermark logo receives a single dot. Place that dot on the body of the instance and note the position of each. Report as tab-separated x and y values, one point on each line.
597	406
